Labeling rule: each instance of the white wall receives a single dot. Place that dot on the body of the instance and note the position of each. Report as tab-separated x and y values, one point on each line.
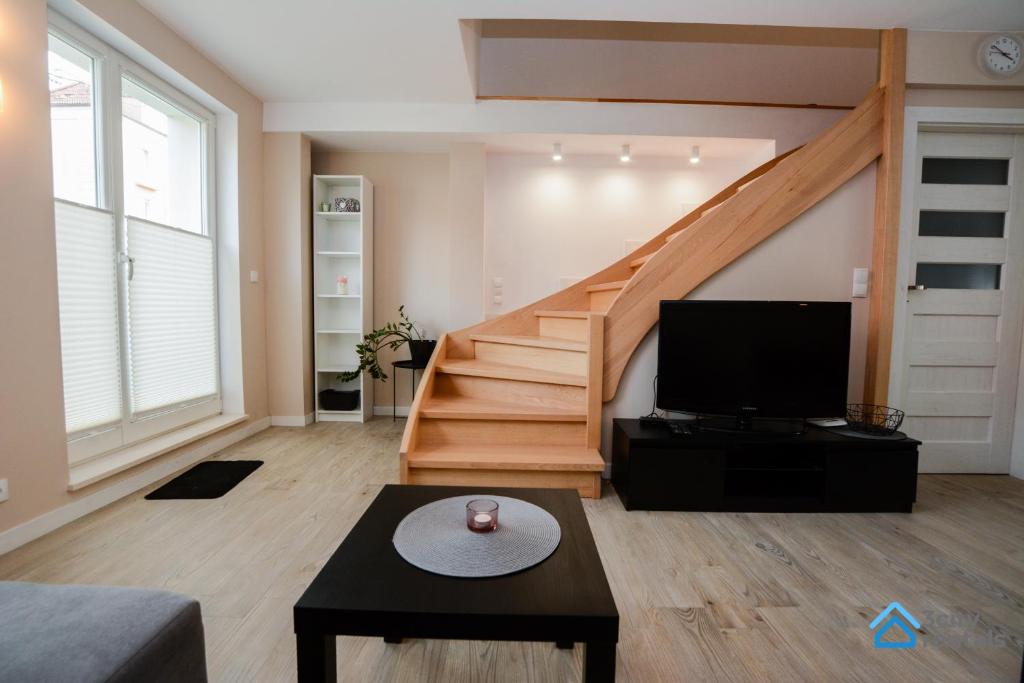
811	259
467	164
544	220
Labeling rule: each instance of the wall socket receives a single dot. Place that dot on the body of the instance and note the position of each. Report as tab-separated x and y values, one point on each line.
4	491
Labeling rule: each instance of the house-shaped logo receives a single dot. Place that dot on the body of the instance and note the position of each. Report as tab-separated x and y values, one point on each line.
895	615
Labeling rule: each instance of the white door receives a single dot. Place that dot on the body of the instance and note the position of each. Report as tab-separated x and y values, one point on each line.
962	334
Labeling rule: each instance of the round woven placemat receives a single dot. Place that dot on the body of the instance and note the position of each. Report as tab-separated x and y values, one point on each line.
435	538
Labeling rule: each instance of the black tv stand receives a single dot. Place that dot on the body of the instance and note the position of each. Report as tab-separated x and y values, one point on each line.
749	471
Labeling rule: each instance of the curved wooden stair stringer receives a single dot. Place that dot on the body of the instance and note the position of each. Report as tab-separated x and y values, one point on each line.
714	240
516	400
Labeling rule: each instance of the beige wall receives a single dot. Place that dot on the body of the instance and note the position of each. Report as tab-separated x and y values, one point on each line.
789	74
32	449
411	248
286	225
943	71
950	59
963	97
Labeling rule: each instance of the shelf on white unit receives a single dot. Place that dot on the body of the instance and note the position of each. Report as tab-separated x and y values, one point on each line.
339	215
340	254
338	296
341	412
339	331
340	368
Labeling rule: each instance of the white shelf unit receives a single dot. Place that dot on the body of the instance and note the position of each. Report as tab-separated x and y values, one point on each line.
342	245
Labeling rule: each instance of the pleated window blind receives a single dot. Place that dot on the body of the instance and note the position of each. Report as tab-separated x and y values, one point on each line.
89	342
172	322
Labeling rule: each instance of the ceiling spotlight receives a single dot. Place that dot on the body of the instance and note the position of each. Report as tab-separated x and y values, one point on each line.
625	153
556	153
695	155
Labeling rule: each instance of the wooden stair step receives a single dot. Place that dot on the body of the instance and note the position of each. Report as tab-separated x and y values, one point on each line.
469	408
562	314
637	262
540	458
607	286
531	340
571	325
481	368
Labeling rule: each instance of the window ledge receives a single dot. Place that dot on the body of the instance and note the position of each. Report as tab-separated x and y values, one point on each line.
96	469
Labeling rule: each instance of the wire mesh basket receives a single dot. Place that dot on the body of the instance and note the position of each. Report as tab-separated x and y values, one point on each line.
872	419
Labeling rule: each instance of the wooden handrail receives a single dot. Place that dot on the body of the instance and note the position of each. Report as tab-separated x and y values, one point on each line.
727	193
717	239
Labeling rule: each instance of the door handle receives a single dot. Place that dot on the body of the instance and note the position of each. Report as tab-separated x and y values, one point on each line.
916	288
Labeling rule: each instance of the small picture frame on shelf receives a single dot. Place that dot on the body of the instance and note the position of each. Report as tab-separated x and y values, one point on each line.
346	205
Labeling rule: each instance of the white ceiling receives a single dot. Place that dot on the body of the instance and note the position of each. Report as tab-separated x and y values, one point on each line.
641	146
412	51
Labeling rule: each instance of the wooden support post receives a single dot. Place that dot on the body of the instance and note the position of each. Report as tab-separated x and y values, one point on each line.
892	77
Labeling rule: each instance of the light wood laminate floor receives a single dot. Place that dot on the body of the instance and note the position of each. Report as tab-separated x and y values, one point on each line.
702	597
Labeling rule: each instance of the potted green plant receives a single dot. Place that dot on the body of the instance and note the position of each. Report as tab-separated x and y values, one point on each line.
392	335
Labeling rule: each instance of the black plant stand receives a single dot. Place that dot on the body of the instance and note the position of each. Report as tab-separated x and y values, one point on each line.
403	365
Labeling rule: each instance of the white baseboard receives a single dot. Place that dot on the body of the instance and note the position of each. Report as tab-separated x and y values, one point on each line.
54	519
385	411
291	420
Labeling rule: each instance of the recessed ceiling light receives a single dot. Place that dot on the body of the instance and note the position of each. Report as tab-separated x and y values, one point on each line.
625	153
556	152
695	155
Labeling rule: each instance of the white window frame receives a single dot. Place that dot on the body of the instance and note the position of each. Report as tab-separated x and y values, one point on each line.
109	67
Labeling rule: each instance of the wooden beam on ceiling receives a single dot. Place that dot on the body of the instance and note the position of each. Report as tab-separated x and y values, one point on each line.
650	100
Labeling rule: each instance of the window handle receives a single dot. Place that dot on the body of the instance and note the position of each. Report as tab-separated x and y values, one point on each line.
916	288
130	260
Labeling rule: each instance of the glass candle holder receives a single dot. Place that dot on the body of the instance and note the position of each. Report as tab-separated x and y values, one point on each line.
482	515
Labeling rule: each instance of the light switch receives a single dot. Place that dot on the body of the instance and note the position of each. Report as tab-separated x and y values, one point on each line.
860	282
497	299
254	276
498	282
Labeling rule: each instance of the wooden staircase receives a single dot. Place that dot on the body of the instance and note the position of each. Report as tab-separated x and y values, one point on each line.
516	401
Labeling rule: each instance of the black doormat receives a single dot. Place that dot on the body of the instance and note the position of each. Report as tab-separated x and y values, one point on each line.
211	479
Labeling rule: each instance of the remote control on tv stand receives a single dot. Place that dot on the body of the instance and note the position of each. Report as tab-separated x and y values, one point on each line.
679	428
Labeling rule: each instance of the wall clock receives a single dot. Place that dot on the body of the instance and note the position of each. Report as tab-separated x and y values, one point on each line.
1001	55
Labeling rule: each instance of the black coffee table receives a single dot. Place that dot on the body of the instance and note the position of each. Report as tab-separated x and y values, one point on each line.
367	589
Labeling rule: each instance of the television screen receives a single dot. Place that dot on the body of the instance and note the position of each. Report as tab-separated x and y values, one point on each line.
780	359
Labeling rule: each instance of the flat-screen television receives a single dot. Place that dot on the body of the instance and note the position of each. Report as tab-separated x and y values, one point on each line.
754	359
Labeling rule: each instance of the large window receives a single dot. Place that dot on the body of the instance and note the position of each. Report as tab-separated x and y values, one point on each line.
72	121
136	253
